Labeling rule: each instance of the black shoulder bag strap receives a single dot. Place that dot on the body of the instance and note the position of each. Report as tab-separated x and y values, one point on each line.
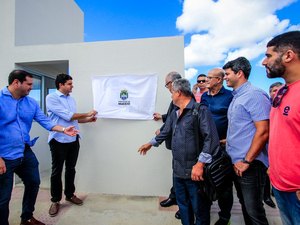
196	126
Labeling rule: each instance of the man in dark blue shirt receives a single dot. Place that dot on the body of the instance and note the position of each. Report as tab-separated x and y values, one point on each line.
218	99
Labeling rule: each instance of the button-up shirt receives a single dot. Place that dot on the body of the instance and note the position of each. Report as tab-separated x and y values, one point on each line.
60	109
249	105
16	116
185	149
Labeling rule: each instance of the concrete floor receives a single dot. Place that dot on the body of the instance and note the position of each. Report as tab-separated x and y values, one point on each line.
100	209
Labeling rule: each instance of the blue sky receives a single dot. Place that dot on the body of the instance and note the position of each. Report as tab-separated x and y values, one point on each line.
214	31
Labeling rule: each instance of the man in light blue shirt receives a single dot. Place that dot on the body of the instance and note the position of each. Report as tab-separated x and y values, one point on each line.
61	108
17	111
248	132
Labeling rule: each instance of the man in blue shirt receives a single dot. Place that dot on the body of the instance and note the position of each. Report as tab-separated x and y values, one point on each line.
218	99
188	163
61	108
247	135
17	111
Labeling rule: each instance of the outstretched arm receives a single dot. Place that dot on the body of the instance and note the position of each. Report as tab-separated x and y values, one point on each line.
144	148
85	117
71	131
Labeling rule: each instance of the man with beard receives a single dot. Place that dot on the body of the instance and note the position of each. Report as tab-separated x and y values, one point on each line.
247	135
283	60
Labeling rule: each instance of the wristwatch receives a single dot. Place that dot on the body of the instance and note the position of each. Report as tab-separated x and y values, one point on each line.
246	161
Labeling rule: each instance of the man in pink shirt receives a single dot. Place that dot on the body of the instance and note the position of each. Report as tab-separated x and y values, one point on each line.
200	87
283	60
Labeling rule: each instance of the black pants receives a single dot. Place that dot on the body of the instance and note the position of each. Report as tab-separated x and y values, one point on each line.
172	193
225	201
63	153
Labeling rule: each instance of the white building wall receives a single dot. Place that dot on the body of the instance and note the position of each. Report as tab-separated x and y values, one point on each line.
108	161
48	22
7	12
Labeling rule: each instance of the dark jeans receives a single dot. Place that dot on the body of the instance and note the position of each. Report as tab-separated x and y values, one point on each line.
27	168
63	153
192	202
250	188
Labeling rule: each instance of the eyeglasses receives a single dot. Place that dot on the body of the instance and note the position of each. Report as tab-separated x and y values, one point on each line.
209	78
201	81
279	96
167	84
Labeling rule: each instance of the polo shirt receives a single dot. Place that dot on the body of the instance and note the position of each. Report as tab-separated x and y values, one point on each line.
218	105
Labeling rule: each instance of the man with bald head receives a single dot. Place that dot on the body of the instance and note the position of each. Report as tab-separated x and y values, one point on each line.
218	99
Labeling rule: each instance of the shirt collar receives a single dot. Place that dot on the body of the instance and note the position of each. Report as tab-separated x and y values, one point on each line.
241	89
6	91
220	91
60	94
190	105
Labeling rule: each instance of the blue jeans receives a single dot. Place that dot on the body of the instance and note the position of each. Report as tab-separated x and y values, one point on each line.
192	202
250	189
27	169
289	207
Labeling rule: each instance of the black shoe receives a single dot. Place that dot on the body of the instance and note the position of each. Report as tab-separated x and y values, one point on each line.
168	202
177	215
222	222
270	202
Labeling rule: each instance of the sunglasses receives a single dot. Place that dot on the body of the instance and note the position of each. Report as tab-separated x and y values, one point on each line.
201	81
279	96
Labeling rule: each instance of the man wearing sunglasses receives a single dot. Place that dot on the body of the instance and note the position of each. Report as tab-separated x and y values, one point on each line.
247	135
283	60
200	87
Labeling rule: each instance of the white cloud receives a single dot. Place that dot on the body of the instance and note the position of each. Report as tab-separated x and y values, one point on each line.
224	29
190	73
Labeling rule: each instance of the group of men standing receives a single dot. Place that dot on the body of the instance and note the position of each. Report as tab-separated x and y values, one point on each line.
253	123
239	122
